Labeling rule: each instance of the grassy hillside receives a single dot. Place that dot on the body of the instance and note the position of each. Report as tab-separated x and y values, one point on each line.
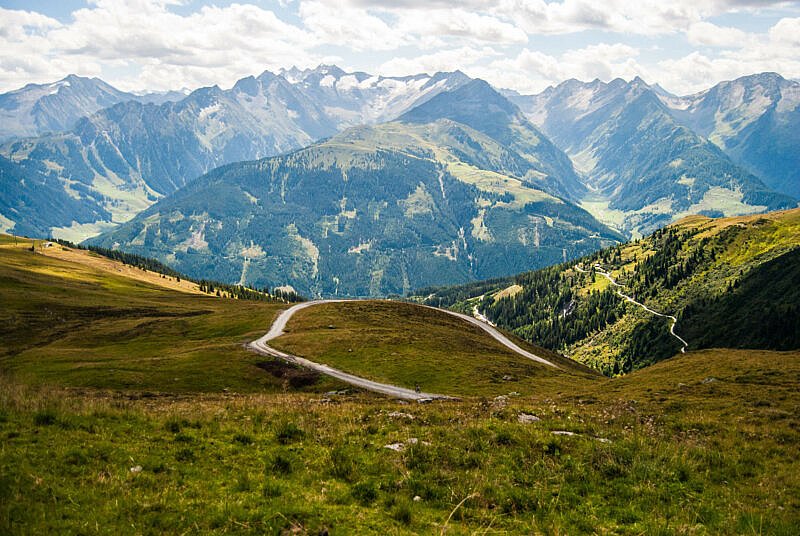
70	318
405	344
731	282
705	443
131	408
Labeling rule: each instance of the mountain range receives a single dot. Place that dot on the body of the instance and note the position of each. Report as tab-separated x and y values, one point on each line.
617	159
121	159
37	109
754	120
642	165
439	195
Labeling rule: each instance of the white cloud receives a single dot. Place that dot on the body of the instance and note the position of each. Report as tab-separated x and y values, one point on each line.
786	33
443	60
164	49
706	33
387	27
532	71
339	24
647	17
461	24
17	23
138	44
778	50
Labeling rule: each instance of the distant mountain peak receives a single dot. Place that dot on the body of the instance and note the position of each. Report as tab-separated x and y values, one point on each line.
329	69
470	103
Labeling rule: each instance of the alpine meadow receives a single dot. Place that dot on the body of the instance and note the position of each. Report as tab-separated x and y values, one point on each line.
334	267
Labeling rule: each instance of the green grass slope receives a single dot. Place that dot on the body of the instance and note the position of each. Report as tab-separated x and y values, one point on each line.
114	418
705	444
405	344
71	324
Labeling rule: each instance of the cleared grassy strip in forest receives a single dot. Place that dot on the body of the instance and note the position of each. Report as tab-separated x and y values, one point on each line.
72	324
705	443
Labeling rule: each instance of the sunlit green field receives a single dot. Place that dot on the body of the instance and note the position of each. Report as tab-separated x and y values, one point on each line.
405	344
129	409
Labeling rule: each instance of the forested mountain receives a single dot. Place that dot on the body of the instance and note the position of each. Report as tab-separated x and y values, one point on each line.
35	203
642	167
731	282
755	120
125	157
476	104
372	211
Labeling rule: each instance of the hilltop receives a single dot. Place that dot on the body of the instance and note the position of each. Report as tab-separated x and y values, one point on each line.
75	318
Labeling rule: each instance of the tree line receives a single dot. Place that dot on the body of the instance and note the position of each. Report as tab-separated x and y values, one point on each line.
216	288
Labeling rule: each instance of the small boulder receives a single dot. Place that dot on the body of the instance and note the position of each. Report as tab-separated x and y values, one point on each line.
527	418
400	447
499	402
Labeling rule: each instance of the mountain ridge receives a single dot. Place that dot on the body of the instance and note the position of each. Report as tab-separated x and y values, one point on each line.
729	282
372	211
130	154
643	168
754	120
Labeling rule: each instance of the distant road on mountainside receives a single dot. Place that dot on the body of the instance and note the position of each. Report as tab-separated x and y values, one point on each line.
643	306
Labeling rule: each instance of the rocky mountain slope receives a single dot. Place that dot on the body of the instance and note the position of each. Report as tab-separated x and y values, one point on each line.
755	120
129	155
642	167
477	104
39	108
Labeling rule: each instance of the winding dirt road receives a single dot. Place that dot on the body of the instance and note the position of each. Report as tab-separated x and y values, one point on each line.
489	328
279	325
605	274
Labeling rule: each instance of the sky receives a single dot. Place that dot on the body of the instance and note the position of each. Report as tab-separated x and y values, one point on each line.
526	45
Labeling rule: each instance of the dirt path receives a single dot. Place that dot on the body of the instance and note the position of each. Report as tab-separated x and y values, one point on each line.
489	328
605	274
277	329
279	325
